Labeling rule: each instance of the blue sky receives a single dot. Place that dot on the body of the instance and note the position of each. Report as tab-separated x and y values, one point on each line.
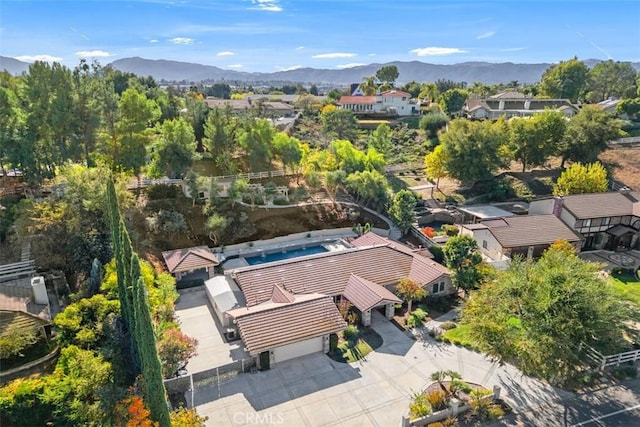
271	35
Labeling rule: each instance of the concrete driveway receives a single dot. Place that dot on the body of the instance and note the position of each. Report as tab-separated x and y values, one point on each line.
198	321
376	391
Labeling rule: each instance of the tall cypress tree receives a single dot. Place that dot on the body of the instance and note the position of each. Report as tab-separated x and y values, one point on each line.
136	315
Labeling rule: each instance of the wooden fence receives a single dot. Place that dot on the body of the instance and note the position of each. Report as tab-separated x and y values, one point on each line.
603	362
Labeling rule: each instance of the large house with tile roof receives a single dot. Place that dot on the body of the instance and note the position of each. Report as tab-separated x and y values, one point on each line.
514	104
288	308
524	235
604	220
388	103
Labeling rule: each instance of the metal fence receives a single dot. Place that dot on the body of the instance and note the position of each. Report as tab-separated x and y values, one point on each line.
215	375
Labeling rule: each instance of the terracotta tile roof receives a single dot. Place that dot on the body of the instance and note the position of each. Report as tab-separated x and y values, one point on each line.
271	325
189	259
281	295
372	239
529	230
365	295
585	206
394	92
328	273
357	100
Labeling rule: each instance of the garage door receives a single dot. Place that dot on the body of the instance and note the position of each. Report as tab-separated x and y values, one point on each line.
302	348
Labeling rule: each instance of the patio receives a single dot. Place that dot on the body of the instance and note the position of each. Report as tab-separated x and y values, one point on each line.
613	260
198	321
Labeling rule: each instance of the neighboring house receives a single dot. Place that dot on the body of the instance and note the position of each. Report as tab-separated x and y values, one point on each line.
266	109
514	104
526	235
611	106
288	308
605	220
391	102
197	261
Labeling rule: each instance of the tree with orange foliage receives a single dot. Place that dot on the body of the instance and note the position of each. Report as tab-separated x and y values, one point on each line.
131	412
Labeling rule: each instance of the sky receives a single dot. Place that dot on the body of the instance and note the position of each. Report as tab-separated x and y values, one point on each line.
273	35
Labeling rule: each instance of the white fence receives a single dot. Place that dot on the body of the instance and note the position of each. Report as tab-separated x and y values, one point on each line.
603	361
625	142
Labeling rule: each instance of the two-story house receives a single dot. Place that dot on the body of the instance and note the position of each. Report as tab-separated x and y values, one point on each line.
391	103
514	104
605	220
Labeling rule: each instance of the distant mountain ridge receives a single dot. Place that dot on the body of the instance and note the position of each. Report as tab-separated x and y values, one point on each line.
470	72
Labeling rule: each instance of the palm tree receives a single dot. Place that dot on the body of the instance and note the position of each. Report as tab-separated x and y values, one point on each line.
369	85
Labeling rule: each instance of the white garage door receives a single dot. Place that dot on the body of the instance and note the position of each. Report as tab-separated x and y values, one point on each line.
297	349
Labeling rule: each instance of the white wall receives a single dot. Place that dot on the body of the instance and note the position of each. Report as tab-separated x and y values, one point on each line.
539	207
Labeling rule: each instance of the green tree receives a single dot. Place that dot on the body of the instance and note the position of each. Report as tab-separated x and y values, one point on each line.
88	323
257	140
380	139
611	79
588	133
410	290
462	257
431	123
546	314
533	140
135	309
339	124
565	80
174	150
16	338
220	130
388	74
453	100
288	149
474	150
369	187
629	106
214	226
435	165
579	179
402	209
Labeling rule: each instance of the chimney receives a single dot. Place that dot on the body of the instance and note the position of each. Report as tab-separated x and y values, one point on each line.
557	205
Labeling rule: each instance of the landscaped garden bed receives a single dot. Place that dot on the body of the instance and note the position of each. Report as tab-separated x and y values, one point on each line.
473	403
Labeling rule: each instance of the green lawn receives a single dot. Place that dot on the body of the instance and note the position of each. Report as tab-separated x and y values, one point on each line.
461	335
627	287
358	347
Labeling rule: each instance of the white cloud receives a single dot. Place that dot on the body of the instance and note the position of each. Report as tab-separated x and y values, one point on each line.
291	68
153	41
300	48
436	51
93	54
267	5
235	66
225	53
512	49
351	65
486	35
333	55
372	54
33	58
182	40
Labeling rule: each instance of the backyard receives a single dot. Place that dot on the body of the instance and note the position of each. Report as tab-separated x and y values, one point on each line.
627	286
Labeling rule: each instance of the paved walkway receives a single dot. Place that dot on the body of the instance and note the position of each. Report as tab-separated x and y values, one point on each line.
375	391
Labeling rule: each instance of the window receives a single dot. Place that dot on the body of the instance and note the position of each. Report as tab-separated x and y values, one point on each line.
605	221
484	244
438	287
586	223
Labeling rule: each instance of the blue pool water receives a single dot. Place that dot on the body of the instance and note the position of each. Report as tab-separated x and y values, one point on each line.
279	256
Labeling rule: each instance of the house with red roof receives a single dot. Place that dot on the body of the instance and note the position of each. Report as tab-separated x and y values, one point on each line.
388	103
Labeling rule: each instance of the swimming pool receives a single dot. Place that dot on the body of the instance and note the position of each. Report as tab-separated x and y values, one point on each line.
285	254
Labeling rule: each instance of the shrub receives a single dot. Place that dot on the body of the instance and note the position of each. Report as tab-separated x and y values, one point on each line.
450	229
437	253
280	200
419	406
419	313
333	342
412	321
495	411
437	399
350	332
448	325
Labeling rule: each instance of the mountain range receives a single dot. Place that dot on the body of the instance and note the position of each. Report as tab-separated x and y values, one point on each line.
175	71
